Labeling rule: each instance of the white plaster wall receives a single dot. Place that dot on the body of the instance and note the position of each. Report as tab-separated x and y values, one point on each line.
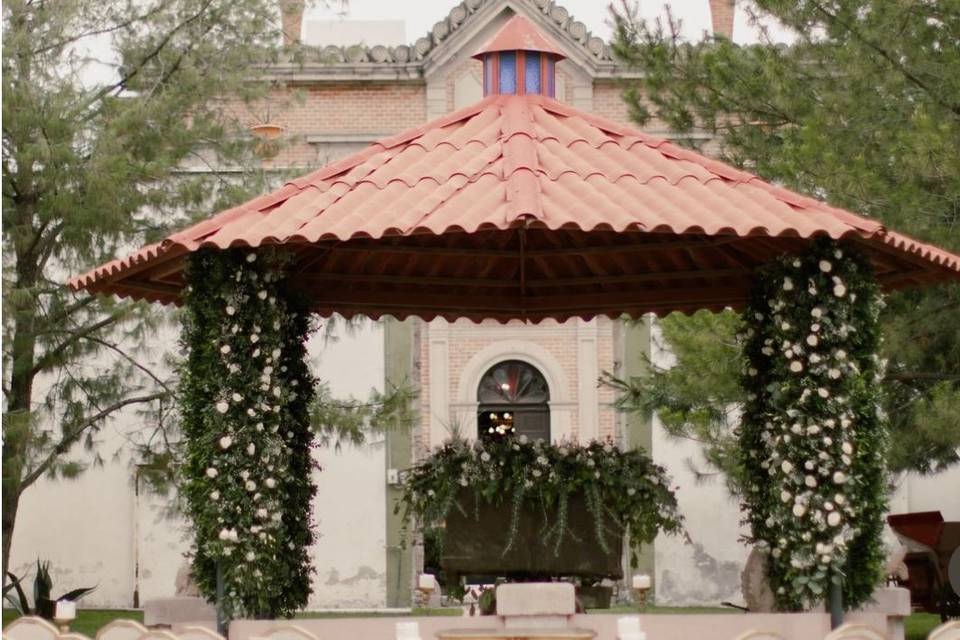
349	511
93	529
706	569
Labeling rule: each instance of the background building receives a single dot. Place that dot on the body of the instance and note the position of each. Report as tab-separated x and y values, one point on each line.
106	529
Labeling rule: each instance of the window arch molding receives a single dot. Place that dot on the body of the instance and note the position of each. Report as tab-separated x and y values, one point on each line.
561	403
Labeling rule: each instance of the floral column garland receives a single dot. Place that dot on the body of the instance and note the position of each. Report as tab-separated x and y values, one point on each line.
813	437
244	394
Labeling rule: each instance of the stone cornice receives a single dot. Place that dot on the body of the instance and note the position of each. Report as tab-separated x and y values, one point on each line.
412	62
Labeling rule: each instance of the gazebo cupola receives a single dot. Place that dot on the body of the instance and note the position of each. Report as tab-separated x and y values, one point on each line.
519	60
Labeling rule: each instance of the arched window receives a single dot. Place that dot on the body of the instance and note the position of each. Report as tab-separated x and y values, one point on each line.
513	400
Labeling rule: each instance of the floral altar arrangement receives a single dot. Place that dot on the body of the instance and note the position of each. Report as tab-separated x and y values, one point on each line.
624	490
813	437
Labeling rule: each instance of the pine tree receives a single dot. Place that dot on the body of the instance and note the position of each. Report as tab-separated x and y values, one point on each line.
102	103
862	110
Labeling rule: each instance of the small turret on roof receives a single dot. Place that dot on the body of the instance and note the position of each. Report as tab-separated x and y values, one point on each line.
519	60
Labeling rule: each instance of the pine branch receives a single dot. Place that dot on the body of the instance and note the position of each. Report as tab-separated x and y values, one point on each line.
73	435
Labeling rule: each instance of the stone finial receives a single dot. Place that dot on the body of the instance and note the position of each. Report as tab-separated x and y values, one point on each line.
291	20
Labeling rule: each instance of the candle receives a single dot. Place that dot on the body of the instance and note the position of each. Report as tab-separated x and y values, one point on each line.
628	628
408	631
426	582
66	610
641	582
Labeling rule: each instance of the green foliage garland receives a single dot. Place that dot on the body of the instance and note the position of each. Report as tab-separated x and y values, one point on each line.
622	488
245	395
813	436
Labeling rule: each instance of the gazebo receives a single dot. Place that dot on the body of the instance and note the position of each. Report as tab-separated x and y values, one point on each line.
522	208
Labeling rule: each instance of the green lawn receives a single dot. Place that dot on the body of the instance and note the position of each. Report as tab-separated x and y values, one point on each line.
918	625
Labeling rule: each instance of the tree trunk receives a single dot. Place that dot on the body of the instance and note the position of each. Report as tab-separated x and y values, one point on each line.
11	501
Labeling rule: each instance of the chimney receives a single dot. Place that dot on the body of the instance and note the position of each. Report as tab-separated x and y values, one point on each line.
291	20
721	13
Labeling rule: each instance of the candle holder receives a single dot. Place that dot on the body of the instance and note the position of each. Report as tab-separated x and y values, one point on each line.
641	589
426	584
65	613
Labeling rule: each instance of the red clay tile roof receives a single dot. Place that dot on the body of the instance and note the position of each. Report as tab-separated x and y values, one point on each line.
519	34
522	207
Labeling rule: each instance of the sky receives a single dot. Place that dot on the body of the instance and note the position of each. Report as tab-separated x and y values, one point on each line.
419	16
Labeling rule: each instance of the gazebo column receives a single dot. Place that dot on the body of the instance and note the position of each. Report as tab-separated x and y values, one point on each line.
813	437
245	393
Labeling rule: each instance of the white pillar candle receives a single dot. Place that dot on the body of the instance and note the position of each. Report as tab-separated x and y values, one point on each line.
641	582
66	610
426	582
408	631
628	628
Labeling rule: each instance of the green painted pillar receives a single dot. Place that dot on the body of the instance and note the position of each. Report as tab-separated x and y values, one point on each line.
635	352
400	354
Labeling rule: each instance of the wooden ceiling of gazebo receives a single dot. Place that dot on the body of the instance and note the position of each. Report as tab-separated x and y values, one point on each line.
522	207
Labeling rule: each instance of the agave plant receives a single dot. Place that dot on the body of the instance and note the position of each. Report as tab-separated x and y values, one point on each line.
43	604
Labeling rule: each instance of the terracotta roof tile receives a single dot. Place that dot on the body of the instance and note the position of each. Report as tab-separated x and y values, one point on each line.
528	162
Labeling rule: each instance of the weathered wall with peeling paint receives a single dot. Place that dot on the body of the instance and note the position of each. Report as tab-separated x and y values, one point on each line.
95	529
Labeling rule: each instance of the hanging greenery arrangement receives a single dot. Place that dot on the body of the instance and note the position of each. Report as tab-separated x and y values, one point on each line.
813	437
245	393
624	490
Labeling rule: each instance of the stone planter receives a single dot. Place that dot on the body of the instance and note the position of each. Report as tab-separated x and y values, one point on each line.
475	546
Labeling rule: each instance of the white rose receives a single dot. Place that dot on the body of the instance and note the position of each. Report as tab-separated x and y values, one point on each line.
254	338
251	449
841	354
786	466
250	485
796	366
810	481
787	284
271	483
237	397
839	477
812	340
799	510
225	349
823	393
234	536
251	257
211	472
262	294
785	496
796	264
222	406
785	326
485	456
251	556
224	534
214	495
839	499
230	310
834	374
839	291
833	519
816	312
225	442
847	448
825	266
262	513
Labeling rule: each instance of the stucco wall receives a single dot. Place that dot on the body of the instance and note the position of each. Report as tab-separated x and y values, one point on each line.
94	529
